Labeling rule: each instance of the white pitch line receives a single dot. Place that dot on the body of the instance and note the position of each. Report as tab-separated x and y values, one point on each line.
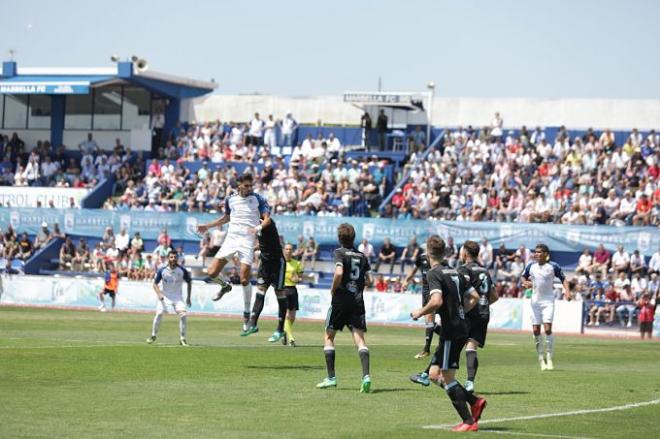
554	415
516	433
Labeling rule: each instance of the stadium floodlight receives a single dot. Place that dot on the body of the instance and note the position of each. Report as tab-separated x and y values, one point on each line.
431	87
114	57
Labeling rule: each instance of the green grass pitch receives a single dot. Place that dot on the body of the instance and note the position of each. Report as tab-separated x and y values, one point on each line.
87	374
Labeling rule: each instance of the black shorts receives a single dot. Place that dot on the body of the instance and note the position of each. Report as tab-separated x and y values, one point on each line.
211	251
646	327
448	354
271	273
109	292
426	295
340	315
477	328
291	298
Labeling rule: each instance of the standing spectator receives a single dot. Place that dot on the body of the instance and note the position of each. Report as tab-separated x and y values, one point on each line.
409	253
256	132
486	254
289	126
496	127
366	125
269	133
311	251
451	252
646	315
381	127
367	249
89	146
386	255
122	241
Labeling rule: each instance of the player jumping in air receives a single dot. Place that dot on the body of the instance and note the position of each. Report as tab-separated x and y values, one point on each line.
448	290
172	276
347	305
540	276
271	272
247	213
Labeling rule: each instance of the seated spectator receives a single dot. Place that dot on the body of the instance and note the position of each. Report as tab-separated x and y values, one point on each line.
637	263
601	260
123	266
137	244
585	262
122	243
67	253
150	266
409	253
25	247
620	260
300	248
82	257
386	255
486	254
451	252
381	284
43	237
310	253
108	240
638	285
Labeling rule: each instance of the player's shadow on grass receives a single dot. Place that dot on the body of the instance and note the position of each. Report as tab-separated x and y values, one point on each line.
288	367
510	392
378	390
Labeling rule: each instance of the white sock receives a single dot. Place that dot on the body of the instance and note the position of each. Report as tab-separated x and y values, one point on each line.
550	343
247	298
156	324
183	325
539	345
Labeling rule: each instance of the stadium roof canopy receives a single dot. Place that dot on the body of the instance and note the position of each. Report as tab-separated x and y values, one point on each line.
162	94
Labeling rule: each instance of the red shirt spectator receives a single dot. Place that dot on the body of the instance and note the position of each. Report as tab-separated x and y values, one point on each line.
154	168
644	205
601	256
646	310
381	285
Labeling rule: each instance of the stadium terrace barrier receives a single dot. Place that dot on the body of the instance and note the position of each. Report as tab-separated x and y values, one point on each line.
182	226
385	308
28	196
41	258
99	194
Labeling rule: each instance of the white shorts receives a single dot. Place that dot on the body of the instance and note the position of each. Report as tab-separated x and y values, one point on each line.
543	312
238	243
168	304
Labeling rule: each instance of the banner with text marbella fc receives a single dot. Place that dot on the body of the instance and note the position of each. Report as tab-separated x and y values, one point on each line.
181	226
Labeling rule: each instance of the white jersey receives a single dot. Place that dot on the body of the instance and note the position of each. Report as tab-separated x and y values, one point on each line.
543	278
245	212
172	280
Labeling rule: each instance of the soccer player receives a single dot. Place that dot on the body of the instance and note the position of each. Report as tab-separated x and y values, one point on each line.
247	213
271	272
422	264
540	276
451	296
294	271
110	286
352	271
477	318
172	276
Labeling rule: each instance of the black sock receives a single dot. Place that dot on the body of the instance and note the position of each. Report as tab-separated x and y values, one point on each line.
428	337
457	394
257	308
472	364
437	329
364	359
330	361
428	368
281	313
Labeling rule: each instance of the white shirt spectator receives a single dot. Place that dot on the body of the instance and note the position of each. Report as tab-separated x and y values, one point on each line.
486	254
288	125
257	127
654	263
620	258
367	249
122	240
